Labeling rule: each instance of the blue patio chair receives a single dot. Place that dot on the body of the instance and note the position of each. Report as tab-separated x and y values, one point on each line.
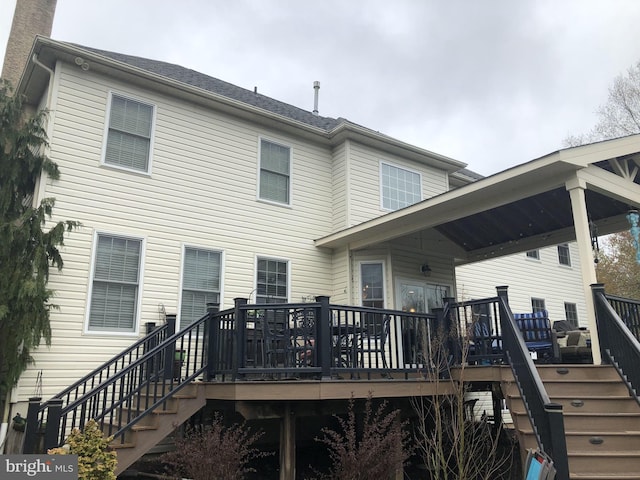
538	335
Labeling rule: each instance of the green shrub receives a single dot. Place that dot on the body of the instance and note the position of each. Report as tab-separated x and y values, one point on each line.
96	461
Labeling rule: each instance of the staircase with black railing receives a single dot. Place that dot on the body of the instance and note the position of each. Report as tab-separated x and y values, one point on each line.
122	395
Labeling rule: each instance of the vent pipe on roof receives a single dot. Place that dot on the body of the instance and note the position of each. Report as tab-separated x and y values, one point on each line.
316	87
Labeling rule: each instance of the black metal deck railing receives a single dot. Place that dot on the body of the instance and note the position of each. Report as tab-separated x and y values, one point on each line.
313	340
618	323
124	390
318	340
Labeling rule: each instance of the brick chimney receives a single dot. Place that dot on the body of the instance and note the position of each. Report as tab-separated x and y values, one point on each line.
31	18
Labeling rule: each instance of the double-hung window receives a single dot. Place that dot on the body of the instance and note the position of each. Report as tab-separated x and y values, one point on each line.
200	283
400	187
563	255
115	284
571	313
272	281
372	285
129	134
275	172
538	305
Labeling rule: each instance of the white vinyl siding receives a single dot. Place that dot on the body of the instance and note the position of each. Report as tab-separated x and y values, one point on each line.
275	168
116	278
364	190
272	281
400	187
129	134
200	283
202	194
522	275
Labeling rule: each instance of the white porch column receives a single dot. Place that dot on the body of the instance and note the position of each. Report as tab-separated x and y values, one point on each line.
576	188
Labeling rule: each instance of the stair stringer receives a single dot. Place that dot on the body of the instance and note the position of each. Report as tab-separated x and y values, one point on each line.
144	439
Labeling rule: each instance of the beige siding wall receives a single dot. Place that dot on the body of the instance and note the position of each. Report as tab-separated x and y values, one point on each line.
202	191
527	278
340	187
364	172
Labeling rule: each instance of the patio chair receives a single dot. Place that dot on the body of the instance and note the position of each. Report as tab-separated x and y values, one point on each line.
538	335
303	330
372	342
275	338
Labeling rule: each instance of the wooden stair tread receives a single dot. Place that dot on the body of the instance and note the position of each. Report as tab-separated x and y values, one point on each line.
140	428
600	433
612	476
606	453
118	445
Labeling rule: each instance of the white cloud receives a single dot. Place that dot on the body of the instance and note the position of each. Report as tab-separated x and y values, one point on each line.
491	83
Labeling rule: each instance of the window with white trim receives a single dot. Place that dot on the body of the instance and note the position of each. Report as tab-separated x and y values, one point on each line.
537	305
533	254
400	187
372	285
571	313
129	134
563	255
200	283
272	281
275	172
115	284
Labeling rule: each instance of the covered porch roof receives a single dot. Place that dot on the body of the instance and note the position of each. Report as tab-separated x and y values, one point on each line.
547	201
523	208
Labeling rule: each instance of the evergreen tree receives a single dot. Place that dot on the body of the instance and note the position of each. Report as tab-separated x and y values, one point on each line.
27	250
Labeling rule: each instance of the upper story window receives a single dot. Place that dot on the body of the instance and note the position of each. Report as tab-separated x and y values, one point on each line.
115	284
272	281
372	285
534	254
563	255
275	172
571	313
400	187
200	283
538	305
129	134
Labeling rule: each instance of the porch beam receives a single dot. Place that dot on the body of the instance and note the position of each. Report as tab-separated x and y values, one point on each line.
610	184
576	188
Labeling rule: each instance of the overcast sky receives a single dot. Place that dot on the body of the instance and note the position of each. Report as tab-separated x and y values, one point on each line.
492	83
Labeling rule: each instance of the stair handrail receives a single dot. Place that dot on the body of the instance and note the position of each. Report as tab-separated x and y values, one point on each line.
56	427
545	416
149	338
618	345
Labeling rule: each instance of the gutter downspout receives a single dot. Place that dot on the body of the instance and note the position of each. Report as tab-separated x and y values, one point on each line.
40	185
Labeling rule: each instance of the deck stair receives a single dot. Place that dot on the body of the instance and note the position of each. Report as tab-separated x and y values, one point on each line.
143	436
601	419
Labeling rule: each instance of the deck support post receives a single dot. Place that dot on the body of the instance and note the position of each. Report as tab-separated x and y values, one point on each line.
288	444
576	188
31	434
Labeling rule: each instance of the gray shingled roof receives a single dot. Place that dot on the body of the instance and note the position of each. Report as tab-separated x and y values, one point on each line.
211	84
